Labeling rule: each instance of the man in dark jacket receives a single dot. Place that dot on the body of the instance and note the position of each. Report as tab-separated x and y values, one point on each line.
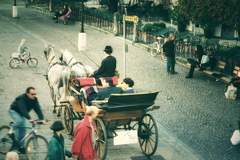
109	89
169	49
108	65
19	113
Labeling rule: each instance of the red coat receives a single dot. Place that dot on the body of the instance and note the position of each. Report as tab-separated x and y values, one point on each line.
82	144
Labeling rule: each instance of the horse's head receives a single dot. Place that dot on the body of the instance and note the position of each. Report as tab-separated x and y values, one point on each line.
66	57
49	52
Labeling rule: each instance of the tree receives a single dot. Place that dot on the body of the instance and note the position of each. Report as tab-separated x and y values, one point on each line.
210	13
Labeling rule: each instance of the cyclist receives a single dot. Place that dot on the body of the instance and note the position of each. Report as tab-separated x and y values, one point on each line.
18	111
23	50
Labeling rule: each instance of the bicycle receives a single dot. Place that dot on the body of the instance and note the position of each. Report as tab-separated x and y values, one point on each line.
156	47
36	147
16	60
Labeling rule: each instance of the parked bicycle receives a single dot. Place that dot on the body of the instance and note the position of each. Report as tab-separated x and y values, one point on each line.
36	147
16	60
156	47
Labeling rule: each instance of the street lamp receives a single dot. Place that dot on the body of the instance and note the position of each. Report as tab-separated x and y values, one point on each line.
82	35
14	9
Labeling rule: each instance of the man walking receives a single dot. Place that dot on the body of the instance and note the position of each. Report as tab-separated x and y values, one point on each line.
169	49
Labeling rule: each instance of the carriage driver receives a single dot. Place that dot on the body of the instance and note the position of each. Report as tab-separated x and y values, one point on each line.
108	65
23	50
18	111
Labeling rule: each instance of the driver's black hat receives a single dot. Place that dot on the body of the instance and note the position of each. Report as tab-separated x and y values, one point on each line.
108	49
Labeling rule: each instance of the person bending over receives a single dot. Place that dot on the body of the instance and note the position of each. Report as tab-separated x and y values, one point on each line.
19	113
208	62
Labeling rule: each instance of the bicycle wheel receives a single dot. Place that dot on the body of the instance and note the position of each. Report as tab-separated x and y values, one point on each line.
14	63
37	148
68	119
154	49
32	62
5	141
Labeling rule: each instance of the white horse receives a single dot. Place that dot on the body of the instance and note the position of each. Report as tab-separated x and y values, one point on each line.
57	76
79	69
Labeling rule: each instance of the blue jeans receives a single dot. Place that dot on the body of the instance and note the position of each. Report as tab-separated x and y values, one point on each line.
171	64
18	122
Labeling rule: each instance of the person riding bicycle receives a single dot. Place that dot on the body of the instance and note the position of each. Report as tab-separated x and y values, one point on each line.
23	50
19	112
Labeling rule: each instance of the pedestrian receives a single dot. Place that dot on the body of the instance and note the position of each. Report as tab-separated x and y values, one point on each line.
67	15
208	62
23	50
61	13
11	156
19	112
83	146
169	49
128	84
108	65
56	149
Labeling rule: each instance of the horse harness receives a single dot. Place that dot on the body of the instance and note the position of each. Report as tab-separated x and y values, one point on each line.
80	64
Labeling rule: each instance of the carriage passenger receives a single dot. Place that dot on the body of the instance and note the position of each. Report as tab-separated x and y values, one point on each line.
108	89
128	84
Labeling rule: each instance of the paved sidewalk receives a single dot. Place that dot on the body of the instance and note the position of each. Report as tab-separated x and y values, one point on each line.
195	121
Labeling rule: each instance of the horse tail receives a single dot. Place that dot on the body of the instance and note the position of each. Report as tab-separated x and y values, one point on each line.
65	78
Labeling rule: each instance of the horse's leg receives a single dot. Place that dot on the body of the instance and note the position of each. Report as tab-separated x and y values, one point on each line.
53	98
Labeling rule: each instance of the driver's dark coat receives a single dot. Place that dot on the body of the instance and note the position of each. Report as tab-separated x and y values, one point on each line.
107	68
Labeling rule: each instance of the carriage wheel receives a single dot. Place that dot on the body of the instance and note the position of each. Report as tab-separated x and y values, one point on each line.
101	139
148	134
68	119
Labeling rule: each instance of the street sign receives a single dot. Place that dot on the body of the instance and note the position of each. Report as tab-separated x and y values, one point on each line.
132	18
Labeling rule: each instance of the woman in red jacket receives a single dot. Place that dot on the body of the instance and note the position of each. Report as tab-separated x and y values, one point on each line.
83	147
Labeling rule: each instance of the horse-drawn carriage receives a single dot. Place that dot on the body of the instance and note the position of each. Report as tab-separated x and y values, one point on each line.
120	111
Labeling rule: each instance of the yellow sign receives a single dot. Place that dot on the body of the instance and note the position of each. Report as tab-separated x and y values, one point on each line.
132	18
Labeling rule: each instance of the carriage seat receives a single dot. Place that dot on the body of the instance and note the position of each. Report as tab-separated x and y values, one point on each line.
114	79
89	81
127	102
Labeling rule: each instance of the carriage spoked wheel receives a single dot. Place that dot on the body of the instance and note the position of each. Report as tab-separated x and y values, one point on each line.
101	139
68	119
148	134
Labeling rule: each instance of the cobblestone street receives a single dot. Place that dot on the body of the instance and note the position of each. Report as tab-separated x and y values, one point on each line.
195	120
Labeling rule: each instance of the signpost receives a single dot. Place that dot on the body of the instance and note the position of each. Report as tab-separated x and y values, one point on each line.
133	19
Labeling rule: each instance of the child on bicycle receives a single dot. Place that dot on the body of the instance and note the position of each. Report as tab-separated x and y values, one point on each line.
56	149
19	113
23	50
